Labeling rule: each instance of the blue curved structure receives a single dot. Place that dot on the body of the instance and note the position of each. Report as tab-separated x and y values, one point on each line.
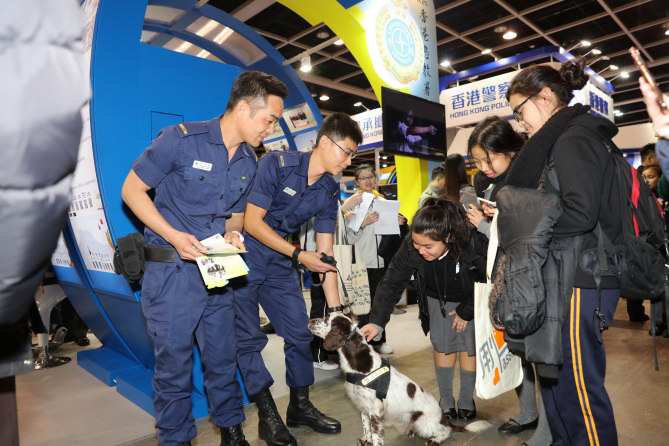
138	89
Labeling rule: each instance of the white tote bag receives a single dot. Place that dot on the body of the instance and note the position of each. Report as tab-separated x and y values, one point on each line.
497	369
353	275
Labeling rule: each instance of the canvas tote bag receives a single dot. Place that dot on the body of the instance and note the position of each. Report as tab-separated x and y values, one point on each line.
353	272
497	369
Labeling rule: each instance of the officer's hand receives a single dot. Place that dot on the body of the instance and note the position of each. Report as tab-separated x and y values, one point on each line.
312	260
369	332
185	245
370	218
234	240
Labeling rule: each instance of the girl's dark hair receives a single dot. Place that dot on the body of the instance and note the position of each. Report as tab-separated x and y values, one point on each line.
363	167
495	135
456	175
442	218
533	79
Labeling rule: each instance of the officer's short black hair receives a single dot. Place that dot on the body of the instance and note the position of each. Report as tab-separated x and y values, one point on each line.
339	126
646	151
437	172
254	87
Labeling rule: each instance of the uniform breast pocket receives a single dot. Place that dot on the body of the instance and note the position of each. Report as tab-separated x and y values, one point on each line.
201	186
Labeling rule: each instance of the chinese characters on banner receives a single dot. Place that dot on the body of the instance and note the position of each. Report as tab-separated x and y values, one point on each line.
471	103
371	124
401	38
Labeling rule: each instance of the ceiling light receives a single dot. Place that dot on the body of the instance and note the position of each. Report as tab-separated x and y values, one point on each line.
324	97
445	63
585	43
613	67
305	64
339	42
666	33
385	165
486	51
323	35
500	29
360	104
384	157
596	52
625	74
509	35
618	113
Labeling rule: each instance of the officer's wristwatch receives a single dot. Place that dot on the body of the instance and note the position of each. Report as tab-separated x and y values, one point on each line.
296	254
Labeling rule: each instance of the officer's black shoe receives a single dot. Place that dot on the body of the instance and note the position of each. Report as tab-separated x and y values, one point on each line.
267	328
270	425
301	411
233	436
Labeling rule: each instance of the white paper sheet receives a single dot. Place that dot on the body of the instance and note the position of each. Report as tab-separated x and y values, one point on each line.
361	211
387	223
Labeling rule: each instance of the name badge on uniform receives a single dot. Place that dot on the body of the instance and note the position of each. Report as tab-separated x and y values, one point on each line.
289	191
202	165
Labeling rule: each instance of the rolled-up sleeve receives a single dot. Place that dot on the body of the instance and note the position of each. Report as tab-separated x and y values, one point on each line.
326	218
265	182
158	159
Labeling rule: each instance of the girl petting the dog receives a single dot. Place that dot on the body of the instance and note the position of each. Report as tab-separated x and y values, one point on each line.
446	256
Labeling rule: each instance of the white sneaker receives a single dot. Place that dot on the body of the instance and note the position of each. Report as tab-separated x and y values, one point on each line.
326	365
384	349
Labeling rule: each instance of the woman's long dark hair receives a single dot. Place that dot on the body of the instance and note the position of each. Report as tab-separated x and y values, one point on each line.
442	218
562	83
456	176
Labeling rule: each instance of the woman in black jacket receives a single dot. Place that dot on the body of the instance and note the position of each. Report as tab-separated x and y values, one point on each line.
446	257
567	146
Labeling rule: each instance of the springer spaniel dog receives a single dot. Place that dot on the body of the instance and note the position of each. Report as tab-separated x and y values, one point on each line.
383	395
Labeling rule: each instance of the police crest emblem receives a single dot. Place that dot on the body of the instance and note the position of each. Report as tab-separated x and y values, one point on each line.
399	42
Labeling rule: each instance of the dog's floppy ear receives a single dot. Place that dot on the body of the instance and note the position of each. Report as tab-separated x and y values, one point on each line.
340	328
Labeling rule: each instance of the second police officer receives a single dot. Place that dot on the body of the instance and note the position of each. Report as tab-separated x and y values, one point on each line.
288	190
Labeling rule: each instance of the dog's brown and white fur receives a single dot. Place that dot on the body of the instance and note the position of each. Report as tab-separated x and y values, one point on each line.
407	406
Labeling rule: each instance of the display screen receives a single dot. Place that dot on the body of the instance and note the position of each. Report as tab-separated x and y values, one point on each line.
413	126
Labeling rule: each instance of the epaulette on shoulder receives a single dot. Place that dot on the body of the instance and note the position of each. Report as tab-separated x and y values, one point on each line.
288	159
190	128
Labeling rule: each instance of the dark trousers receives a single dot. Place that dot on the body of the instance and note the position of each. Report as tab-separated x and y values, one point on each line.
635	309
374	275
9	424
318	310
578	408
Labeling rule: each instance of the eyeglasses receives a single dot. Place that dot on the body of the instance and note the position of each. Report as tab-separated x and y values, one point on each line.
370	178
348	153
516	111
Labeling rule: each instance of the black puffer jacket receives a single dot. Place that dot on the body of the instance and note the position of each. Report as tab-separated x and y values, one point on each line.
408	262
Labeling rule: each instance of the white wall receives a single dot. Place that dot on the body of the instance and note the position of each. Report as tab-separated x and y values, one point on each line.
635	136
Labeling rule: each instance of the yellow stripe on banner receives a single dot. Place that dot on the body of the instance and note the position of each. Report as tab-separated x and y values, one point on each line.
575	356
580	364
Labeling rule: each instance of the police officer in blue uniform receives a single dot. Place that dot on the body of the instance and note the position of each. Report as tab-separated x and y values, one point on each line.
202	174
289	189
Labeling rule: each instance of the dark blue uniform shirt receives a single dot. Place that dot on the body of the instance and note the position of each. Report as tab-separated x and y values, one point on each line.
280	187
196	188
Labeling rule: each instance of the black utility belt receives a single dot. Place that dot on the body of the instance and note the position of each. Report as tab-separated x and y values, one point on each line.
132	253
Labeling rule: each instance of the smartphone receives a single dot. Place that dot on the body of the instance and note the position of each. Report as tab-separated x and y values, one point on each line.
636	55
491	204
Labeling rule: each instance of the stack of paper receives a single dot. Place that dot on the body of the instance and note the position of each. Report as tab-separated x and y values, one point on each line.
221	262
360	211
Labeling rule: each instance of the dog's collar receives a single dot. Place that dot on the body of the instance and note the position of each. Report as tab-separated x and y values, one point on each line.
377	380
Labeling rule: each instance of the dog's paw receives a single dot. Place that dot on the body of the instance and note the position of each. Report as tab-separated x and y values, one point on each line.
411	433
431	442
364	442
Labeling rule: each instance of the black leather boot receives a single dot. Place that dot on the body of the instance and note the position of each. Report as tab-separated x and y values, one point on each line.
301	411
233	436
270	425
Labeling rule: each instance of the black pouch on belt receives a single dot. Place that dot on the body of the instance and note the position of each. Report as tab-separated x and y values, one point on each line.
129	257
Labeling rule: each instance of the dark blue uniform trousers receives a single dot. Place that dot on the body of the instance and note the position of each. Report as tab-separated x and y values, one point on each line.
273	283
578	408
178	310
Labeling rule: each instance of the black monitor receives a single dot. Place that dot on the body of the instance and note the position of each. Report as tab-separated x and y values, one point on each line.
413	126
